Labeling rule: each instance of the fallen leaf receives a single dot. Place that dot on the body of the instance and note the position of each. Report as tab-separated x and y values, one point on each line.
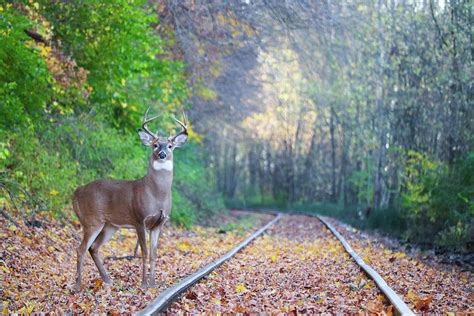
191	295
240	288
367	259
423	304
97	285
412	296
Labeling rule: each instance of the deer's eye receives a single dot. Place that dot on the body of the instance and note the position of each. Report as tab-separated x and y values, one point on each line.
169	146
155	145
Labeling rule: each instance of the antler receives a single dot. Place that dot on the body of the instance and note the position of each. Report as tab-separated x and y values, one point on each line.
183	125
147	120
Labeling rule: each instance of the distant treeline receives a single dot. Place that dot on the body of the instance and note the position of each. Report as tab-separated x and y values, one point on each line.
363	104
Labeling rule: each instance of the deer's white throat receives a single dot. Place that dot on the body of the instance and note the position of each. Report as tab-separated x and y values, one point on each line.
163	165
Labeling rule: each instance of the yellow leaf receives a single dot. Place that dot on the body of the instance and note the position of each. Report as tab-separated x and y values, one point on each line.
12	228
51	248
53	192
184	246
412	295
274	257
400	255
240	288
30	307
4	268
367	259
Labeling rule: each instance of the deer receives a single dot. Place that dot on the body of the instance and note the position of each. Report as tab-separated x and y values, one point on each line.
103	206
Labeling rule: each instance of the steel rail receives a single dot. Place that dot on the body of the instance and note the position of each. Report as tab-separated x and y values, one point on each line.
162	301
393	297
400	306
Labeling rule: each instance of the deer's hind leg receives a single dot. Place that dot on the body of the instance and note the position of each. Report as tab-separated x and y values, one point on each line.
107	232
135	252
90	234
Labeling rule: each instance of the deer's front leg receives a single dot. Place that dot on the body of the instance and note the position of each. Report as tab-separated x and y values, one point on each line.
154	236
141	233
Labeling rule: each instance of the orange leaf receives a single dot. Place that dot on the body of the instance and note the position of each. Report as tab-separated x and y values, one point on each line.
423	304
97	284
240	309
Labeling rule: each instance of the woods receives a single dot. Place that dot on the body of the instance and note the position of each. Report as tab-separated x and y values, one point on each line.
366	107
357	109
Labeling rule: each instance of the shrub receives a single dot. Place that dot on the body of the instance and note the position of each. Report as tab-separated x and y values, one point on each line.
71	104
439	200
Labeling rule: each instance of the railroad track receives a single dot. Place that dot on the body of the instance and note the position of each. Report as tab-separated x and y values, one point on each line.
167	297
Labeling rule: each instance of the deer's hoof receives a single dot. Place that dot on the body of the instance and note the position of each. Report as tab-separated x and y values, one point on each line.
144	285
108	281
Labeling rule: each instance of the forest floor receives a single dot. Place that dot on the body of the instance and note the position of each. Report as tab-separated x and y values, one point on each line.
420	277
38	264
297	266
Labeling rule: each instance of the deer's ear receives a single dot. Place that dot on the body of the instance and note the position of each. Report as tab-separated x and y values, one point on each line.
180	139
146	138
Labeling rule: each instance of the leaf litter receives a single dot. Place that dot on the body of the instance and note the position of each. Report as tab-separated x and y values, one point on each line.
425	284
38	265
297	267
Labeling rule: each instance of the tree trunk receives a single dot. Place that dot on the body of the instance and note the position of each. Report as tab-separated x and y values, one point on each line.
333	156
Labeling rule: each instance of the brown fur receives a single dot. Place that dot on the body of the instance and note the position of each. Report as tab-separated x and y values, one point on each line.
103	206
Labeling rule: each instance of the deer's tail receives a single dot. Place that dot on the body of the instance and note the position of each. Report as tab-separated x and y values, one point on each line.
75	205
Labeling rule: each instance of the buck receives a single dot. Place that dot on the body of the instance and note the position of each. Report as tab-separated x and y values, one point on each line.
103	206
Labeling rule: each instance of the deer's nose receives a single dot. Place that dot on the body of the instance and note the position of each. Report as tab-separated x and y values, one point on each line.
162	155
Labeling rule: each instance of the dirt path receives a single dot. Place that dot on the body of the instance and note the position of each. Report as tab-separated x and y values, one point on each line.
297	267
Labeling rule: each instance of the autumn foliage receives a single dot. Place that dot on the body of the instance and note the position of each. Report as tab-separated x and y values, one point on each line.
38	265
